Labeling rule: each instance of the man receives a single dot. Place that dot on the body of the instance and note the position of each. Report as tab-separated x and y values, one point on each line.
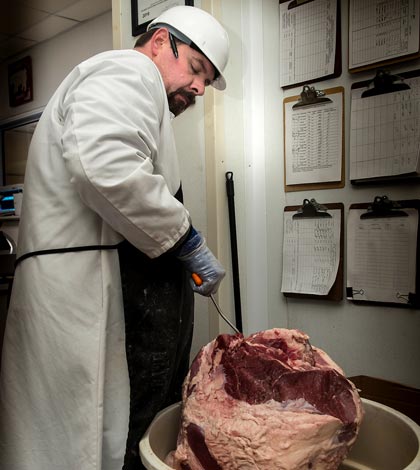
100	319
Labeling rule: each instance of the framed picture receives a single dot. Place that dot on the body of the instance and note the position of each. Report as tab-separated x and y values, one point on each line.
143	12
20	82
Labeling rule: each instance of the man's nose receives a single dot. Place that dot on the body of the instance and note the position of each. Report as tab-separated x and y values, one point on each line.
198	86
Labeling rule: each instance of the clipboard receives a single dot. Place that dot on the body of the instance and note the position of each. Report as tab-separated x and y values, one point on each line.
291	62
383	252
386	103
379	41
311	210
305	167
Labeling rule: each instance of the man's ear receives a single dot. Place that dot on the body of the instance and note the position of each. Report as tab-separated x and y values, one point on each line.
160	37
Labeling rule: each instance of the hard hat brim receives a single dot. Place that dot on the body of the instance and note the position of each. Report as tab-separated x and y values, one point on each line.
219	83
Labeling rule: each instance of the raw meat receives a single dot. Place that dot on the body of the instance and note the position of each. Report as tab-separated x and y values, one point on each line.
268	401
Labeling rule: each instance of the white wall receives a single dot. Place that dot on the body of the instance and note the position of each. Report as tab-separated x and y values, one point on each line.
377	341
52	60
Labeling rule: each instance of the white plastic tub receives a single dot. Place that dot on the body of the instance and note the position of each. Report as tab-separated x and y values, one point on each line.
388	440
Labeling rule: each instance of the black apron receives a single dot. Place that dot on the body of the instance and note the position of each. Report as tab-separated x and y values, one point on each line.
159	316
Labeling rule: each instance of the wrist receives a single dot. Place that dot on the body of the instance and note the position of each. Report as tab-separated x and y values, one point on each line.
190	244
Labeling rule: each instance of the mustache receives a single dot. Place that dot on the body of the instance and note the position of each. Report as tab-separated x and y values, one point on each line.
176	105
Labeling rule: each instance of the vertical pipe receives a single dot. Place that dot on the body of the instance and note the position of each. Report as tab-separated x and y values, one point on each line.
255	296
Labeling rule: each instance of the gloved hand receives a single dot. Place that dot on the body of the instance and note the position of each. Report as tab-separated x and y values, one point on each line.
197	257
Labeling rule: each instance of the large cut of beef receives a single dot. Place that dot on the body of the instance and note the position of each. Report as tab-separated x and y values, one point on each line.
270	401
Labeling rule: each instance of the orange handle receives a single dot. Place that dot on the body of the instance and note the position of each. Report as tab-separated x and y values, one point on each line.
197	279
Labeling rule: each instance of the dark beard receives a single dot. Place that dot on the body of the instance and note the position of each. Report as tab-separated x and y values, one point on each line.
177	105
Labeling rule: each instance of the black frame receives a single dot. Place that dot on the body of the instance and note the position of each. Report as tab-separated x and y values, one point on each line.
137	29
13	124
20	92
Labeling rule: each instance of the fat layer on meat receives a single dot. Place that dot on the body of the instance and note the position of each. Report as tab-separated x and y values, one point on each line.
268	401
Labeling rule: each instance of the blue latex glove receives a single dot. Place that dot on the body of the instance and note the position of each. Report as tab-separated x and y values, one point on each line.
198	259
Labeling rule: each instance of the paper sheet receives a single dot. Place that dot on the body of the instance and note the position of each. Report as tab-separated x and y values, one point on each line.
313	141
307	41
381	256
385	132
381	30
311	253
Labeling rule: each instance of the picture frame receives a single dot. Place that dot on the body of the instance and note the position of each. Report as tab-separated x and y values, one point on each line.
144	12
20	82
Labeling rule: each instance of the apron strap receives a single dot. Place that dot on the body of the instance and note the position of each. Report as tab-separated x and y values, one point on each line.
64	250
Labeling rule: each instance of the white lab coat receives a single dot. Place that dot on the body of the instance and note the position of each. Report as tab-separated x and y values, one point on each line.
102	167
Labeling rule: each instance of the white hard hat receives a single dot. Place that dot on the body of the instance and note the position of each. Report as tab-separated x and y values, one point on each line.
198	29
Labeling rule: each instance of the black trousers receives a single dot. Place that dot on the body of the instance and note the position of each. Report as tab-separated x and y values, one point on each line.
159	316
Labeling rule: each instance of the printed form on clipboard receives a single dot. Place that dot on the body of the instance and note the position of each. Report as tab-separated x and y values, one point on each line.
384	127
313	137
311	249
382	252
308	41
382	31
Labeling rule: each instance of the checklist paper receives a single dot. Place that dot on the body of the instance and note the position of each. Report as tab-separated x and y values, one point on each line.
307	41
381	256
385	133
311	253
381	30
313	141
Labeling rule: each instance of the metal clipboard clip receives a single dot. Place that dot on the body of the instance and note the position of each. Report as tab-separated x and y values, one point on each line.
309	97
403	297
382	207
311	210
411	299
383	83
297	3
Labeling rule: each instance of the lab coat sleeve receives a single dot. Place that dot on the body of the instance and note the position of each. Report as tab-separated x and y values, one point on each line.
115	124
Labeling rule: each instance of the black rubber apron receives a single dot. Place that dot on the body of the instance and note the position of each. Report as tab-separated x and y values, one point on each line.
159	315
